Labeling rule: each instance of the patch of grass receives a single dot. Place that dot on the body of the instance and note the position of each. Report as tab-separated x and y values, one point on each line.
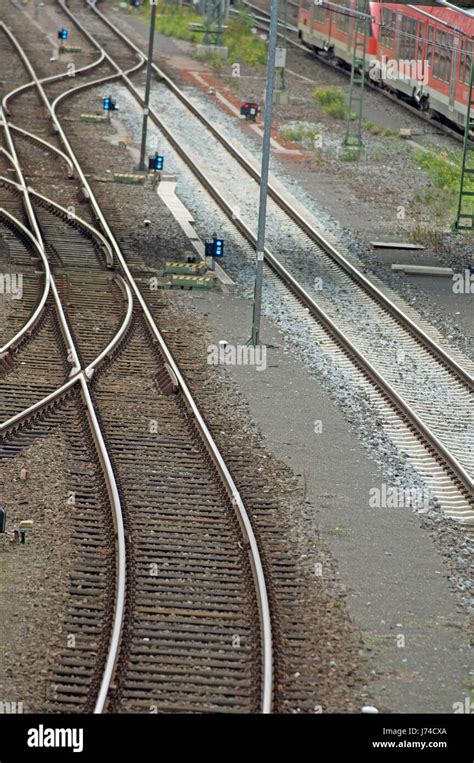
380	155
373	641
444	170
244	47
173	21
299	132
328	96
335	111
374	129
349	155
425	235
331	100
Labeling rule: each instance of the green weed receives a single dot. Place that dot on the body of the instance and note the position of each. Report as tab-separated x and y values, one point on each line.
444	170
349	155
299	132
329	96
243	46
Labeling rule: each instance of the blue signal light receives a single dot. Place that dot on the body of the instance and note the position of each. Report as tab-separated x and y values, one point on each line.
155	162
62	34
108	103
218	247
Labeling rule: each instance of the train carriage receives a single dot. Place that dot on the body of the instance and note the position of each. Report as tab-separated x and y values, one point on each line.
421	52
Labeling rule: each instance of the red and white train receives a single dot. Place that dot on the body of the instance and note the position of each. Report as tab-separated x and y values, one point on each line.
422	52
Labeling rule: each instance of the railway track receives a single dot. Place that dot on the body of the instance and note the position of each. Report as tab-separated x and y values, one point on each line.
132	606
132	610
260	23
448	452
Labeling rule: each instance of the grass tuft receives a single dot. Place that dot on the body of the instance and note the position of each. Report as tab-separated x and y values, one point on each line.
331	100
244	47
299	132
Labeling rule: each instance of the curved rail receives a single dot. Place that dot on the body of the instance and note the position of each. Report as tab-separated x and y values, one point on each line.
91	368
47	281
12	156
218	461
45	144
73	217
95	429
211	446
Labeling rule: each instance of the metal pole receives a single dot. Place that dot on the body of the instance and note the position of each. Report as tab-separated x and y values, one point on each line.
262	211
151	40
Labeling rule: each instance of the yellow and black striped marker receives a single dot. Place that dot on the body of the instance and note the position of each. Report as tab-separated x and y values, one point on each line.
185	268
191	282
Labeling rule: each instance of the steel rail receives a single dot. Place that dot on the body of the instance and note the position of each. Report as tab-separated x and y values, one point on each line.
45	144
27	413
447	457
92	367
8	155
87	372
52	78
37	313
70	345
208	440
47	280
109	255
313	234
73	217
110	347
108	473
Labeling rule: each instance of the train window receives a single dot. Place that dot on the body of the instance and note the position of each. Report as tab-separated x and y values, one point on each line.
429	46
442	55
420	33
387	28
465	65
342	20
408	38
320	13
